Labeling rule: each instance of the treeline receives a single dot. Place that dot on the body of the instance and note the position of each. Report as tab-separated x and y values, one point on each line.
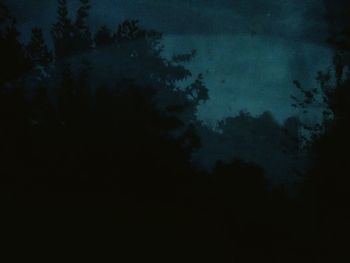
277	148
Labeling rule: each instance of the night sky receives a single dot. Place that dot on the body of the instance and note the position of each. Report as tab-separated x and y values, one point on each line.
249	51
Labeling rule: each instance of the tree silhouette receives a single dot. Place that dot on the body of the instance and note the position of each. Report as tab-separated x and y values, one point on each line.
129	30
12	52
83	35
4	13
37	50
103	37
197	91
62	31
324	191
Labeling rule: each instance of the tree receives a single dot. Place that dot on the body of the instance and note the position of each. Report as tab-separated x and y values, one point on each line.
325	99
331	140
129	30
63	31
37	50
12	52
325	190
338	20
103	37
4	13
83	39
197	91
123	130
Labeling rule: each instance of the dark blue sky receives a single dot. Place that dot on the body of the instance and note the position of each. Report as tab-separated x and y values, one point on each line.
249	51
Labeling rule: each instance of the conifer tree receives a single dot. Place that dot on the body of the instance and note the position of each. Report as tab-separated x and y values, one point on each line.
62	31
103	37
82	31
37	49
4	13
12	53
